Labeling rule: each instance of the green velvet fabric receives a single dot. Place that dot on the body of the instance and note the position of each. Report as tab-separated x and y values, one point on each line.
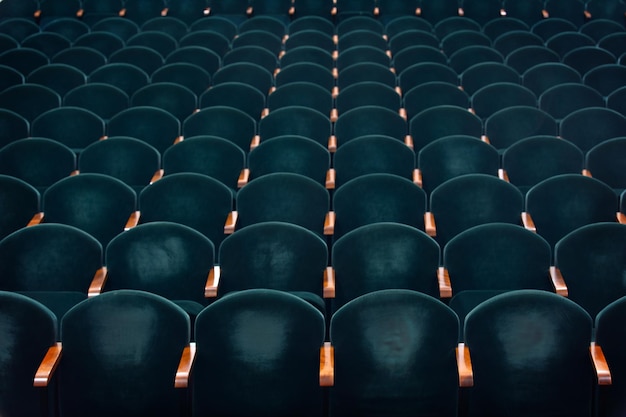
29	101
550	27
617	100
195	200
445	120
361	54
63	21
252	53
530	356
120	354
261	38
452	24
607	9
219	24
12	127
296	120
358	17
365	71
426	72
152	125
19	201
258	355
600	28
308	72
534	159
24	60
83	58
59	77
311	37
192	76
368	94
434	93
162	41
361	37
140	11
311	23
563	203
174	98
283	196
245	72
314	7
591	126
126	77
585	58
609	332
384	255
372	154
95	203
509	125
512	41
464	58
374	198
28	329
128	159
613	43
74	127
196	55
235	94
412	37
461	38
369	120
497	27
263	18
455	155
305	53
568	41
592	261
394	356
548	74
465	301
222	121
607	164
38	161
213	156
418	54
208	39
501	95
120	27
563	99
290	153
526	57
304	94
473	199
105	100
175	23
481	75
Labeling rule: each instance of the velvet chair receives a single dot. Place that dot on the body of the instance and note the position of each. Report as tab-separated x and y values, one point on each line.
102	99
501	95
394	11
526	57
23	60
436	11
225	122
453	24
127	77
565	42
590	260
174	98
155	126
443	120
306	72
410	37
325	9
382	256
563	99
590	126
187	12
144	58
261	38
48	43
613	43
480	75
120	354
267	16
10	77
573	12
59	77
460	38
254	54
116	25
470	55
311	37
158	40
509	125
19	202
204	58
54	264
83	58
362	54
303	94
221	24
29	100
28	330
192	76
248	73
140	11
542	76
361	37
369	120
605	162
606	9
482	11
306	53
311	23
547	28
605	78
300	121
365	71
74	127
586	58
599	28
394	355
541	342
240	96
502	25
512	41
268	343
12	127
368	94
208	39
418	54
191	199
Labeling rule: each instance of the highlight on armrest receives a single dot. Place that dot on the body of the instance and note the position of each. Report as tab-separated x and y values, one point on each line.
528	222
36	219
332	143
464	366
329	223
165	11
157	176
408	141
603	373
417	177
503	175
327	365
329	282
133	220
558	282
244	177
48	365
331	178
97	283
621	217
212	282
429	224
587	173
184	366
445	288
231	222
255	142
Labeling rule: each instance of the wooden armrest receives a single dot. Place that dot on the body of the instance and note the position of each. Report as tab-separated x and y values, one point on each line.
292	11
418	11
74	173
503	175
231	222
464	366
266	110
206	11
48	365
331	179
249	11
122	13
417	177
603	373
621	217
485	139
402	113
335	73
460	12
333	11
329	223
37	14
212	282
327	365
502	12
528	222
335	90
408	141
398	89
429	224
157	176
558	282
587	14
36	219
587	173
545	14
255	142
445	288
376	11
329	282
184	366
244	177
179	139
133	220
334	115
165	11
332	143
80	12
97	283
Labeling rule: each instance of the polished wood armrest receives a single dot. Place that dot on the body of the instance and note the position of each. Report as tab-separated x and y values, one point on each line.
165	11
528	222
80	13
485	139
418	11
212	282
502	12
545	14
36	219
249	11
74	173
157	176
266	110
429	224
329	223
408	141
335	73
417	177
291	11
621	217
331	178
255	142
402	113
445	287
97	283
464	366
206	11
48	365
133	220
398	89
335	90
603	373
587	14
329	282
244	177
333	11
332	143
460	11
184	366
122	13
558	282
231	223
37	14
587	173
334	115
376	11
327	365
503	175
179	139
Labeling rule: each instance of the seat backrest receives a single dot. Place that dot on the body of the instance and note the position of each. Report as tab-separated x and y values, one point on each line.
296	120
605	161
19	202
511	124
590	126
443	120
74	127
370	120
222	121
152	125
